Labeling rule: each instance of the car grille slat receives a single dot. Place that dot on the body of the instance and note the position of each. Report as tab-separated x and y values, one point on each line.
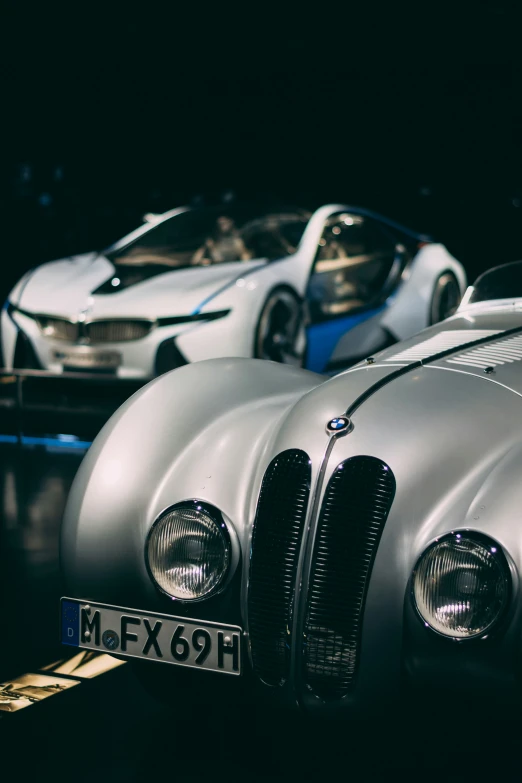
276	541
117	331
107	331
355	507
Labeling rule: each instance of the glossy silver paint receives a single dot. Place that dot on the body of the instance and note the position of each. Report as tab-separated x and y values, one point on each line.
452	435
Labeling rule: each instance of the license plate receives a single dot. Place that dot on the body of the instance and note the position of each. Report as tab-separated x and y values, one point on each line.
105	359
155	637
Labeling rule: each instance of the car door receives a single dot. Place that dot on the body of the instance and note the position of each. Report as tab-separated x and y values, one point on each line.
356	262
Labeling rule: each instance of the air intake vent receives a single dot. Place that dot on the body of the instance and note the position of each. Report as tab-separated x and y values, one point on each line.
492	354
276	540
443	341
355	508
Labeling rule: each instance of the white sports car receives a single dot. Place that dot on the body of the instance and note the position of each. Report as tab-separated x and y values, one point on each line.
319	289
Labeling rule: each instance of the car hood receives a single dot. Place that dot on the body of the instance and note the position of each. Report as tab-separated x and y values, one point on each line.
487	344
66	287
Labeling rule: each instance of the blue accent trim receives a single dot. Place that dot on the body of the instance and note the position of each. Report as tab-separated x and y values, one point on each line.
323	337
227	285
347	208
9	307
53	443
70	623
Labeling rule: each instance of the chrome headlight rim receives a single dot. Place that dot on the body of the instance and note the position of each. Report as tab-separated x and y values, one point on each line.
218	518
508	572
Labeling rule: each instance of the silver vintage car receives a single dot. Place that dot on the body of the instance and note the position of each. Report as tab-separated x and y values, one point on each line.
324	543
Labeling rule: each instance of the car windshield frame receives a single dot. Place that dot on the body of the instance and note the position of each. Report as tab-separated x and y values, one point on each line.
194	237
501	282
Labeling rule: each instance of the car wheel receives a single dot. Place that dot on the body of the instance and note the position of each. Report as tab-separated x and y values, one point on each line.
446	297
280	334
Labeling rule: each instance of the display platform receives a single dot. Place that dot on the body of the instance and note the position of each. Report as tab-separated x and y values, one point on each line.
38	402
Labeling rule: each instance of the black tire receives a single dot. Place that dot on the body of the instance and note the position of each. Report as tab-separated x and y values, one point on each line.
445	298
280	334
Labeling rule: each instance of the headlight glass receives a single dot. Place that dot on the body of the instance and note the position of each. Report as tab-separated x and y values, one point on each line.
58	328
461	585
188	552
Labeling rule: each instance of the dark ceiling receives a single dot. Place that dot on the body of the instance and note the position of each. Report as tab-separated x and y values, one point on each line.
118	109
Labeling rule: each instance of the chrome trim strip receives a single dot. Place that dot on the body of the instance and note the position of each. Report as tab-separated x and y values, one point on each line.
424	363
303	567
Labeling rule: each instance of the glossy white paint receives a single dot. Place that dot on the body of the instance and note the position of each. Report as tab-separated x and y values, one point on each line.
65	288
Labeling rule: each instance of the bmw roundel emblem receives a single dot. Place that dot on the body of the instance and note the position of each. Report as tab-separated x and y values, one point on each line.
340	424
110	639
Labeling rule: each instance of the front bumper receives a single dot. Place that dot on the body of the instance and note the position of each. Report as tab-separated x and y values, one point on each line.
165	347
453	680
25	347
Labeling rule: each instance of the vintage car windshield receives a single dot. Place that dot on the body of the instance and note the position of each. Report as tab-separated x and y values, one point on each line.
201	237
502	282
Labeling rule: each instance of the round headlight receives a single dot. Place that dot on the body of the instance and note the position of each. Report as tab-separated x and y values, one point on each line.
188	552
461	585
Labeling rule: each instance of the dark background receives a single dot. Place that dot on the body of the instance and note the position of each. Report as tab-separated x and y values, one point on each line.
114	110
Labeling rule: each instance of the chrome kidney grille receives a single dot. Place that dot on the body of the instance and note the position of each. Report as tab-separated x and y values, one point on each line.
116	331
355	507
276	539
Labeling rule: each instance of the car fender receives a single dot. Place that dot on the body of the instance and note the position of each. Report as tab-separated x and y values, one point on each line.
408	308
488	506
233	335
169	442
17	291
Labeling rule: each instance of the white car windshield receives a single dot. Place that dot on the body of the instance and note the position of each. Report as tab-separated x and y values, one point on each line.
202	237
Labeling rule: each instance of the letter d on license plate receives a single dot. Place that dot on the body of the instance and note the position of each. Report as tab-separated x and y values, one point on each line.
155	637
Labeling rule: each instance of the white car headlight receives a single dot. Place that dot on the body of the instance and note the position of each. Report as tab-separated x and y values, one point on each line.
461	585
188	552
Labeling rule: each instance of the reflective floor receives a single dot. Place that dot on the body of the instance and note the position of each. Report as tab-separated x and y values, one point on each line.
34	483
99	725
